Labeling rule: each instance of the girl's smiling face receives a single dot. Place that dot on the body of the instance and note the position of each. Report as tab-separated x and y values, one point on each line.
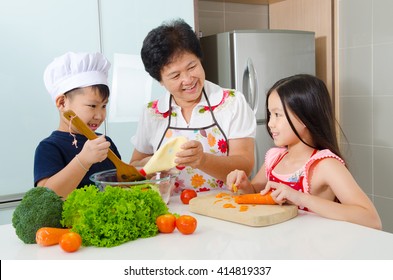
281	131
87	104
184	77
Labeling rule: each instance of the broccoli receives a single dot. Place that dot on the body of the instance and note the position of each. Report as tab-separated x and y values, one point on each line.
40	207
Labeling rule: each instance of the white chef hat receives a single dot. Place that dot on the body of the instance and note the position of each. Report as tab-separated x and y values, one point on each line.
75	70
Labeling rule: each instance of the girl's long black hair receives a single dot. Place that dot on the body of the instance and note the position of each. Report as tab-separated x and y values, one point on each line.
307	97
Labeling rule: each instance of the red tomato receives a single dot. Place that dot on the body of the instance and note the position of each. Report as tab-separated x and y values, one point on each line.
187	195
186	224
70	242
166	223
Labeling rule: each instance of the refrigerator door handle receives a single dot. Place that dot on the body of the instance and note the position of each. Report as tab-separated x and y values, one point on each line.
250	85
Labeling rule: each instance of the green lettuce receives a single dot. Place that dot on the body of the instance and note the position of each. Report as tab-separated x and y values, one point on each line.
114	216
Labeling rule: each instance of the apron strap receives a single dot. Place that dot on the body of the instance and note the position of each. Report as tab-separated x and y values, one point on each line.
214	119
169	121
211	112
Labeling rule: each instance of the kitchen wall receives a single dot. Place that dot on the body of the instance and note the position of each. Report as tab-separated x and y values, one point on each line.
366	96
216	17
32	34
365	66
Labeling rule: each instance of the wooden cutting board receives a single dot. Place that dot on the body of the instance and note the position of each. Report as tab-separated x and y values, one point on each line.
247	214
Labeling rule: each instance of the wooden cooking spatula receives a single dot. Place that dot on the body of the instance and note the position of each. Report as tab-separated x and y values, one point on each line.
125	172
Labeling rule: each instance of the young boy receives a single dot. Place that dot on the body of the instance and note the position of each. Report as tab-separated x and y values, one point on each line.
65	160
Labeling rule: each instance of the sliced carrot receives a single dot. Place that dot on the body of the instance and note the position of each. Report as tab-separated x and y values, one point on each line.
218	200
229	205
222	194
47	236
243	208
254	198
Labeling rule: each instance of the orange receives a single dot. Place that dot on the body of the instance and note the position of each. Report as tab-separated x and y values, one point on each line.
187	195
70	242
186	224
166	223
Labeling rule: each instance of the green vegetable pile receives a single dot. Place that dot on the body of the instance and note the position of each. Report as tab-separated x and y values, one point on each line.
40	207
114	216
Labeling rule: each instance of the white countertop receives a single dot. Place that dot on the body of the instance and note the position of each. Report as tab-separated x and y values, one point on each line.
306	236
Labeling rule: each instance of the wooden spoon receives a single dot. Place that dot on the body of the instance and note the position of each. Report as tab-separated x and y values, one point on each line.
125	172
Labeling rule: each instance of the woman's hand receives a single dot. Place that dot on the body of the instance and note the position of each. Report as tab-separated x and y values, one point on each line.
191	155
240	180
140	163
94	151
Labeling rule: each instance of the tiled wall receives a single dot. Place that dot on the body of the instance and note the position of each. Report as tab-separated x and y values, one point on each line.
366	84
216	17
366	97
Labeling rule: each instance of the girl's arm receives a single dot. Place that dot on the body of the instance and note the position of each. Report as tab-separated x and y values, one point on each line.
259	181
331	178
240	179
355	205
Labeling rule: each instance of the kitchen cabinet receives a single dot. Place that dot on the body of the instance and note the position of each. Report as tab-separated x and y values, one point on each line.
309	15
254	2
32	34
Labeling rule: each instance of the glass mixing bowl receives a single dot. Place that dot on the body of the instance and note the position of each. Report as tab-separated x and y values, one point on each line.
164	180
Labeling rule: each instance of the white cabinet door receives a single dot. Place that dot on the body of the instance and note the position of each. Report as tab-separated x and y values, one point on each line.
32	34
125	24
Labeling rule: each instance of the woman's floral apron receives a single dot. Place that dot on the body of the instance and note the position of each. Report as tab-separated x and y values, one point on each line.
213	140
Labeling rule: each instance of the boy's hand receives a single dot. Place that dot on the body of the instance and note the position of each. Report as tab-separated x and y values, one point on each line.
94	150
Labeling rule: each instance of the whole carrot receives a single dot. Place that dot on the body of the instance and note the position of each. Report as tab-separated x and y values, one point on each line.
47	236
254	198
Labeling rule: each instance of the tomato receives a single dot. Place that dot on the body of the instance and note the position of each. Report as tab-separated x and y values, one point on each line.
186	224
70	242
166	223
187	195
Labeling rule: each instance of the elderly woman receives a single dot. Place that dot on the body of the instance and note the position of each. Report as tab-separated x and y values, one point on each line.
218	123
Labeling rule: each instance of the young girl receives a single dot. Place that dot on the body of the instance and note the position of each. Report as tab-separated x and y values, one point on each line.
306	169
65	160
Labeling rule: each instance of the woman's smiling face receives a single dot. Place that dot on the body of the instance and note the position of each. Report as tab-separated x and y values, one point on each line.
184	78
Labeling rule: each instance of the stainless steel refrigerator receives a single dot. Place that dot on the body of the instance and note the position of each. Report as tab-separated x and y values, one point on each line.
251	61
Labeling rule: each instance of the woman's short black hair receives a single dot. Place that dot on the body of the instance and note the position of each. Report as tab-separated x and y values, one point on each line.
166	41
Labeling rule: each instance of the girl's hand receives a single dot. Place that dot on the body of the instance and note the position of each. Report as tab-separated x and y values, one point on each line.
191	155
240	180
282	193
94	151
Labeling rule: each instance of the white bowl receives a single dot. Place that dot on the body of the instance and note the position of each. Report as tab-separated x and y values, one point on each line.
164	180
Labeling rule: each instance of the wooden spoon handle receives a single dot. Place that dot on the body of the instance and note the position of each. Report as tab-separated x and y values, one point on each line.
80	125
85	130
